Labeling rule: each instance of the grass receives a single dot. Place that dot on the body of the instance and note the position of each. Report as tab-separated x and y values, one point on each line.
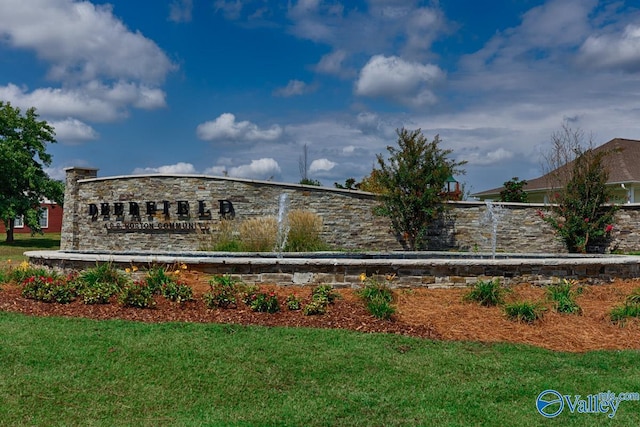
25	242
57	371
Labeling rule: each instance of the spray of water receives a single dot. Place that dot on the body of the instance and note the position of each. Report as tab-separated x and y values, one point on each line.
492	216
283	224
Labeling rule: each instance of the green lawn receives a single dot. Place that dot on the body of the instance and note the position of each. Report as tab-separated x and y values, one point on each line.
59	372
25	242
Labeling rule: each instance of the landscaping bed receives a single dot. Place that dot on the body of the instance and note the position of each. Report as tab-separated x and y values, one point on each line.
428	313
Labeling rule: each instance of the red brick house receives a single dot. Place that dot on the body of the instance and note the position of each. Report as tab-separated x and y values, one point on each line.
50	220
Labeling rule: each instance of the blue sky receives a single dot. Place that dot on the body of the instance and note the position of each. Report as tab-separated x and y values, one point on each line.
239	87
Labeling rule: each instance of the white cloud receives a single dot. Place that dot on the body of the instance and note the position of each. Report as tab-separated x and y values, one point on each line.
398	80
93	101
332	63
489	158
81	41
613	51
321	165
293	88
266	168
180	10
226	127
73	131
231	9
178	168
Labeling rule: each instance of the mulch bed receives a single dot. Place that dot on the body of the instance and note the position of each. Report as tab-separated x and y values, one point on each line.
427	313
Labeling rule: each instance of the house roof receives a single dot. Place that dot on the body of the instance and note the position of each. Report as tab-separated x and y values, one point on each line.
623	165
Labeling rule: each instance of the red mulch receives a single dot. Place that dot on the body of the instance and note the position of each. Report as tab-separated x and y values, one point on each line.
427	313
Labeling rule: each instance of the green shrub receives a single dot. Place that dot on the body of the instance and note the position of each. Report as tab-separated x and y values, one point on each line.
487	293
136	294
380	308
25	270
524	311
51	288
378	298
324	293
157	277
293	303
321	297
223	292
261	301
103	273
177	292
304	232
97	293
563	297
315	307
634	297
621	313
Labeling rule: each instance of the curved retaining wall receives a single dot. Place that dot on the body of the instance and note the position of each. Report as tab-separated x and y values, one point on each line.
167	213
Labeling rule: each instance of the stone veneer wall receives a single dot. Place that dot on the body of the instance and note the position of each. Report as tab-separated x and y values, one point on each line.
349	222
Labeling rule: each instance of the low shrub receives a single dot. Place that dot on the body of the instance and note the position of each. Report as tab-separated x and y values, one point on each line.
378	297
157	277
315	307
177	291
101	273
136	294
98	293
262	302
487	293
26	270
324	293
621	313
321	297
630	308
634	297
563	297
51	288
524	311
222	294
293	303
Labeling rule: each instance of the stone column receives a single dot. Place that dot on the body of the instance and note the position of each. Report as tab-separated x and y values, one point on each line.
73	211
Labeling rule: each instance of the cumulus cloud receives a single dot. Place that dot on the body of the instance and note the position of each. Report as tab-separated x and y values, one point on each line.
180	10
613	51
178	168
321	165
266	168
293	88
399	80
231	9
226	127
73	131
93	101
81	41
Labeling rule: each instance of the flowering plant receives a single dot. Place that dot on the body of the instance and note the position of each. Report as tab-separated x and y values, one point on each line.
581	213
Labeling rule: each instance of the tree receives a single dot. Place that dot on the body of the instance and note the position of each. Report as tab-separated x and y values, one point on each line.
412	181
514	191
581	212
23	154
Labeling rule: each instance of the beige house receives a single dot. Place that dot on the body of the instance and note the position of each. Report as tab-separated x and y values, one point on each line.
623	165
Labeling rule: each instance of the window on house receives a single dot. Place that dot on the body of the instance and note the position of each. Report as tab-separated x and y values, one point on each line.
19	222
44	218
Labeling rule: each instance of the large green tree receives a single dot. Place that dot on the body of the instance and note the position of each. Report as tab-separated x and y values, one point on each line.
412	183
23	154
